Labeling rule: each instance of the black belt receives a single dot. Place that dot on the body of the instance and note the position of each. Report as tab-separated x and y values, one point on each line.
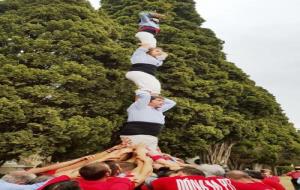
141	128
147	68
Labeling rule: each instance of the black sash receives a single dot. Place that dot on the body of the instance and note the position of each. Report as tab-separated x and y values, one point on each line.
147	68
141	128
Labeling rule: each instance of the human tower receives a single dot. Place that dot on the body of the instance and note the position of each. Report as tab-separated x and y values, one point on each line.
145	115
130	164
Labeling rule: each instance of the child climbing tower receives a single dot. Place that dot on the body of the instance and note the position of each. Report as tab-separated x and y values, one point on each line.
147	58
148	28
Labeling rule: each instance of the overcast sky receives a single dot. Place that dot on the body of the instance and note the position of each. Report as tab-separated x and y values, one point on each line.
263	38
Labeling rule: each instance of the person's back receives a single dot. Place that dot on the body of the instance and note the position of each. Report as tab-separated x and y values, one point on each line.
189	178
19	181
192	183
273	183
63	185
251	185
92	185
96	176
294	174
242	181
112	183
11	186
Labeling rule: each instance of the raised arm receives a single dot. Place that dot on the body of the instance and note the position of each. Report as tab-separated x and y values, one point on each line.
144	166
141	51
140	54
157	15
168	104
56	166
73	164
100	157
143	100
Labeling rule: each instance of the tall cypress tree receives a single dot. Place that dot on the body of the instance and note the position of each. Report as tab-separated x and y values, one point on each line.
218	105
60	91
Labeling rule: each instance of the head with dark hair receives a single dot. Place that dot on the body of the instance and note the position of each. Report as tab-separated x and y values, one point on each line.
156	97
64	185
114	167
155	51
126	166
211	170
156	101
41	178
266	172
19	177
237	175
95	171
188	171
254	174
163	172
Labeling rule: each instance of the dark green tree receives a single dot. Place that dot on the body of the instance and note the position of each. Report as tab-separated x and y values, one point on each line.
219	107
62	91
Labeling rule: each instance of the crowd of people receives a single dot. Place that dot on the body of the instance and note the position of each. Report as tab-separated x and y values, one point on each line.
138	163
126	167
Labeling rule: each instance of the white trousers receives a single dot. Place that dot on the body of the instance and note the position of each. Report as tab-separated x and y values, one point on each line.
146	38
150	141
144	81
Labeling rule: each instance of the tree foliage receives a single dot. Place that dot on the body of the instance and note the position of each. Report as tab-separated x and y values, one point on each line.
63	92
62	86
217	102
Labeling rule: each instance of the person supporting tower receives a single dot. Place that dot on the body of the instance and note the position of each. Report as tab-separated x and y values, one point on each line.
145	120
145	61
148	28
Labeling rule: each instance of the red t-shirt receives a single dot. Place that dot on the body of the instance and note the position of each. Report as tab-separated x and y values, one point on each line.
113	183
294	175
55	180
192	183
251	186
272	178
273	183
144	187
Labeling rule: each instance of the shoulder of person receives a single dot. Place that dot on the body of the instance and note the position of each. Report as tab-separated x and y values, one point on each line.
118	180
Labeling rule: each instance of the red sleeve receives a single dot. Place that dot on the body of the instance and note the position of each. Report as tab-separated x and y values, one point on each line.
275	185
237	185
55	180
50	172
156	157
